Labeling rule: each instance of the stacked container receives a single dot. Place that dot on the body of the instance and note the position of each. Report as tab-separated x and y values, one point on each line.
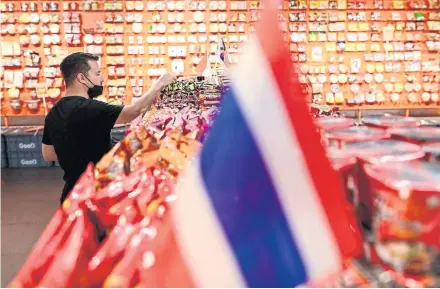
23	148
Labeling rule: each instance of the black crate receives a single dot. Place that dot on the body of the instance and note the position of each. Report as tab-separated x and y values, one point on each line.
27	160
4	161
19	141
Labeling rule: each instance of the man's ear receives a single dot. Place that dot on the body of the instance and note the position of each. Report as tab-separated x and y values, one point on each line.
81	78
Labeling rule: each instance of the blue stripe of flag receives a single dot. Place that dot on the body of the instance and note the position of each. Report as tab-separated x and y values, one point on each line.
242	193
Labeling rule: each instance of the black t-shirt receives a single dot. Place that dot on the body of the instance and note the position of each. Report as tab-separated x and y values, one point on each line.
79	129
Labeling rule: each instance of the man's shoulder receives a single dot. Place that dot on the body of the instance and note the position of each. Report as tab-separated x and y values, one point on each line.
66	106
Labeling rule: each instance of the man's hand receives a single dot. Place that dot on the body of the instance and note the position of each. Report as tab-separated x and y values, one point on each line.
165	80
144	103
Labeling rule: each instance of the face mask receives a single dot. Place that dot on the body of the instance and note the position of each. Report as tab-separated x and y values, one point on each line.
95	90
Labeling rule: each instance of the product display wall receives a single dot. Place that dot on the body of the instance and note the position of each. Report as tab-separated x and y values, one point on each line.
361	54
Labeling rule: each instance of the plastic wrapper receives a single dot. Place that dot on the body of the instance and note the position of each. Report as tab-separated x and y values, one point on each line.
406	223
139	254
340	137
118	190
80	242
390	121
162	265
183	144
330	123
110	252
111	168
42	253
432	151
117	164
83	190
417	135
156	205
126	204
180	93
125	273
165	157
53	236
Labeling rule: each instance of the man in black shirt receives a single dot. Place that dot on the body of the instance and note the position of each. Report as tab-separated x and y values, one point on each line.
77	129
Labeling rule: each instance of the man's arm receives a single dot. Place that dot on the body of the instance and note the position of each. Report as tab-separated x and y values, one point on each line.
49	154
143	104
47	148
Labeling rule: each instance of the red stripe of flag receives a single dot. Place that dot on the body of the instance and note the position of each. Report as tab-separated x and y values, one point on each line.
324	178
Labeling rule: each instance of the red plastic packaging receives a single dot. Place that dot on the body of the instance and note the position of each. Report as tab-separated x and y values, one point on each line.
69	266
118	190
41	255
126	209
110	252
345	165
120	198
163	265
83	190
126	272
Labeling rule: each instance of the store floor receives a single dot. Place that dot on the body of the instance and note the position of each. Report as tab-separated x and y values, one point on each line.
29	198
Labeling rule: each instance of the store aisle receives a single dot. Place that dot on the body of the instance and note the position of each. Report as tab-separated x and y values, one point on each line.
29	198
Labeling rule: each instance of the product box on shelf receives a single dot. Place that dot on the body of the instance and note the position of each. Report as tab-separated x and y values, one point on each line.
406	217
345	165
23	147
416	135
374	152
340	137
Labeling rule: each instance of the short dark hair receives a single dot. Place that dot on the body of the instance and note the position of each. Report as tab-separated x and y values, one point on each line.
76	63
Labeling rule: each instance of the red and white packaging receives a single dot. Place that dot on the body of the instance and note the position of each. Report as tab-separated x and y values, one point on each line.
406	222
390	121
375	152
345	165
340	137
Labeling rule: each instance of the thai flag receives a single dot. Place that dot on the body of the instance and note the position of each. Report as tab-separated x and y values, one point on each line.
260	206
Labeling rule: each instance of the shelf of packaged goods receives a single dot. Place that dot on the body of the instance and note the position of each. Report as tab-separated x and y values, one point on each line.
362	10
406	108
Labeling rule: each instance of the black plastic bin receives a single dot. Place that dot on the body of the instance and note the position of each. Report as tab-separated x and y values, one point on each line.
23	149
